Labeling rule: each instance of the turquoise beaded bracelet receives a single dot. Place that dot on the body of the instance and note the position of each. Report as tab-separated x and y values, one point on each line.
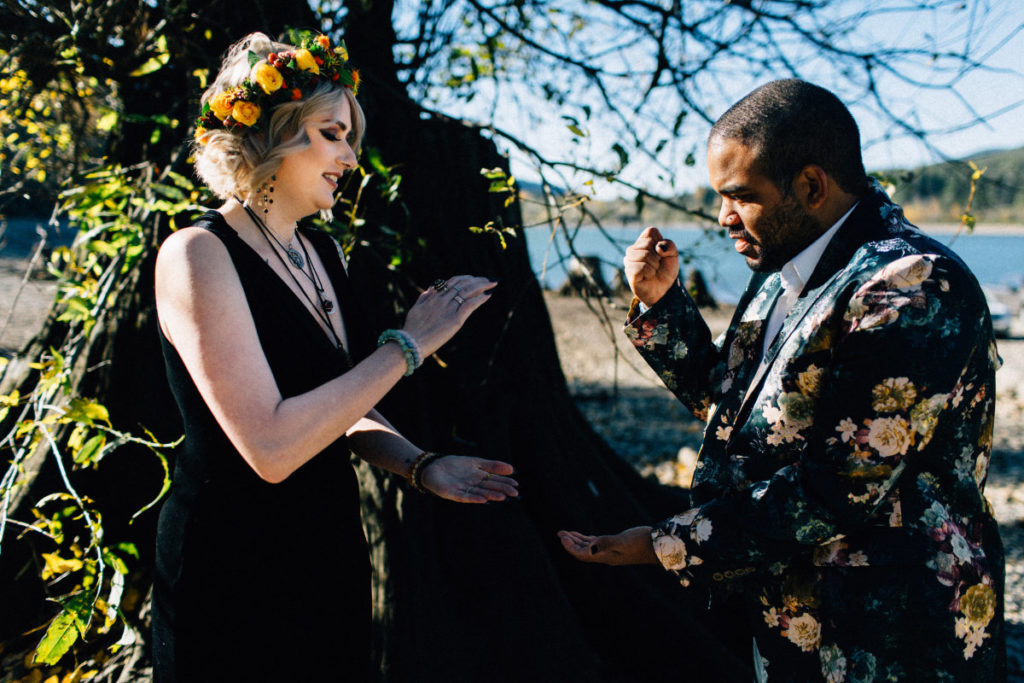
410	349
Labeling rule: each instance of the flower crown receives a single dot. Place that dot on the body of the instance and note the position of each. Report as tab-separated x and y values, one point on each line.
282	77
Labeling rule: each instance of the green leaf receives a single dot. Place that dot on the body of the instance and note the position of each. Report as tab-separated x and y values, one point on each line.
114	561
62	633
152	64
85	410
88	452
157	61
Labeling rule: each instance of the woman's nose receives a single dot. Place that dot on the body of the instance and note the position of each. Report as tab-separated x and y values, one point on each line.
347	159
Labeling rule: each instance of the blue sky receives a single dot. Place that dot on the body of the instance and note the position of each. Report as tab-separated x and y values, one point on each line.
993	29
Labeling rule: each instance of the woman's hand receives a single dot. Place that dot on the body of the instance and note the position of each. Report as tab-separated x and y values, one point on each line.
632	546
438	314
470	480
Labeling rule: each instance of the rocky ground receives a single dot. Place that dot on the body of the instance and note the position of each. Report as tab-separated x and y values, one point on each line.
631	409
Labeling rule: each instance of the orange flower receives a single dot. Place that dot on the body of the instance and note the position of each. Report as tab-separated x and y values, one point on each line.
305	61
221	104
200	135
266	76
323	41
355	81
245	113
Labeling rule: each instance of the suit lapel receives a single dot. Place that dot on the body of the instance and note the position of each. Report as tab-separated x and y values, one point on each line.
838	254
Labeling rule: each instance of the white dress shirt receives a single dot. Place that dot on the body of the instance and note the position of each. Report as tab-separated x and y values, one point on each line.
795	274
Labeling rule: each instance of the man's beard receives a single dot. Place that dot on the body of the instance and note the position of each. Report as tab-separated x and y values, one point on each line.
785	233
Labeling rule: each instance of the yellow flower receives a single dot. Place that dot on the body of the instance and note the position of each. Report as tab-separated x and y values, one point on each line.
221	104
341	52
978	604
895	393
266	76
306	62
809	381
245	113
201	135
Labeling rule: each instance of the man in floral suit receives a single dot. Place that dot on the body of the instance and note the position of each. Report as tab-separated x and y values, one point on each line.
849	408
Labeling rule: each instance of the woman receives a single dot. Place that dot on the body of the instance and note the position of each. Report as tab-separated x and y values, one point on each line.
262	566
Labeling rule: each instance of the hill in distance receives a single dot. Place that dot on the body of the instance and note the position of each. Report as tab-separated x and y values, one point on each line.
936	193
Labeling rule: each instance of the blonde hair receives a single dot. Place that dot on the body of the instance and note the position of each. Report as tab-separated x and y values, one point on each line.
239	164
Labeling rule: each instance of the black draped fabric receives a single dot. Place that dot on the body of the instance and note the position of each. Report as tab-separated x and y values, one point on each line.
259	581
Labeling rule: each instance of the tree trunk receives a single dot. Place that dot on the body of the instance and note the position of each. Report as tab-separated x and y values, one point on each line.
486	592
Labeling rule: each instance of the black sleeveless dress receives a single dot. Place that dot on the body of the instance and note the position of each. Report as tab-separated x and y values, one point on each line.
257	581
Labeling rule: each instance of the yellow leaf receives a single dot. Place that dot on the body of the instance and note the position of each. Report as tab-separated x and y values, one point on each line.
107	122
57	565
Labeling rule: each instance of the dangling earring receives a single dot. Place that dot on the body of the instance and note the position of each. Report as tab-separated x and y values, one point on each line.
266	200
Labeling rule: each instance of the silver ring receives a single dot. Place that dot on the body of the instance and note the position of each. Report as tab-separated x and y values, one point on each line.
458	299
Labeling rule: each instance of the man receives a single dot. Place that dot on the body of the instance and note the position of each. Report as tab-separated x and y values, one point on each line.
849	410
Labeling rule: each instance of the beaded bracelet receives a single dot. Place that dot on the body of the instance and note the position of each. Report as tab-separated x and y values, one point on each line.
410	349
419	465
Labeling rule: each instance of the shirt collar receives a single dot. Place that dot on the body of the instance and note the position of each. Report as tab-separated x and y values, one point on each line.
798	270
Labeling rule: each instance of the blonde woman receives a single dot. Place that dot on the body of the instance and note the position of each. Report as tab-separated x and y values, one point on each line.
262	567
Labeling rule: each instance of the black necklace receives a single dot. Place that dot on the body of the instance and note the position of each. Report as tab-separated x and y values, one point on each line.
317	283
293	254
326	305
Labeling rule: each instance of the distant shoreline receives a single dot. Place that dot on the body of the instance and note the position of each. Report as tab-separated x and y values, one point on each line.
987	229
994	229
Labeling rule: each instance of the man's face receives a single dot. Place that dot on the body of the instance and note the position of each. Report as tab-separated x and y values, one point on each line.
769	228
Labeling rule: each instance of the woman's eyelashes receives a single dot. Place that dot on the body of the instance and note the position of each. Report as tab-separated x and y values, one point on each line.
330	135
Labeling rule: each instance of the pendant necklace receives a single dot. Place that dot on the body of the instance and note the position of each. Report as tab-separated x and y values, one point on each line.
289	249
326	305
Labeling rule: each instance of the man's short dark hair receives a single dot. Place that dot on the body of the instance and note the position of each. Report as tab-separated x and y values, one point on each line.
790	124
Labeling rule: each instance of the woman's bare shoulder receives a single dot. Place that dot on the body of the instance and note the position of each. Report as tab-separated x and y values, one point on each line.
193	253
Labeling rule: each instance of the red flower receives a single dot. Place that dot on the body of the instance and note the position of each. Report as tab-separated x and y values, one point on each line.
296	94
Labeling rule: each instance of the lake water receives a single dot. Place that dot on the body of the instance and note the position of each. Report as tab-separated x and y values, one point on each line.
994	259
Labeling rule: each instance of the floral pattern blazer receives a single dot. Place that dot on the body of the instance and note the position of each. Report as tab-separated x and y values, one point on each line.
840	482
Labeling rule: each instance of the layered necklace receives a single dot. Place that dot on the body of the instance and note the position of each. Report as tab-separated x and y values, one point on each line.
299	261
